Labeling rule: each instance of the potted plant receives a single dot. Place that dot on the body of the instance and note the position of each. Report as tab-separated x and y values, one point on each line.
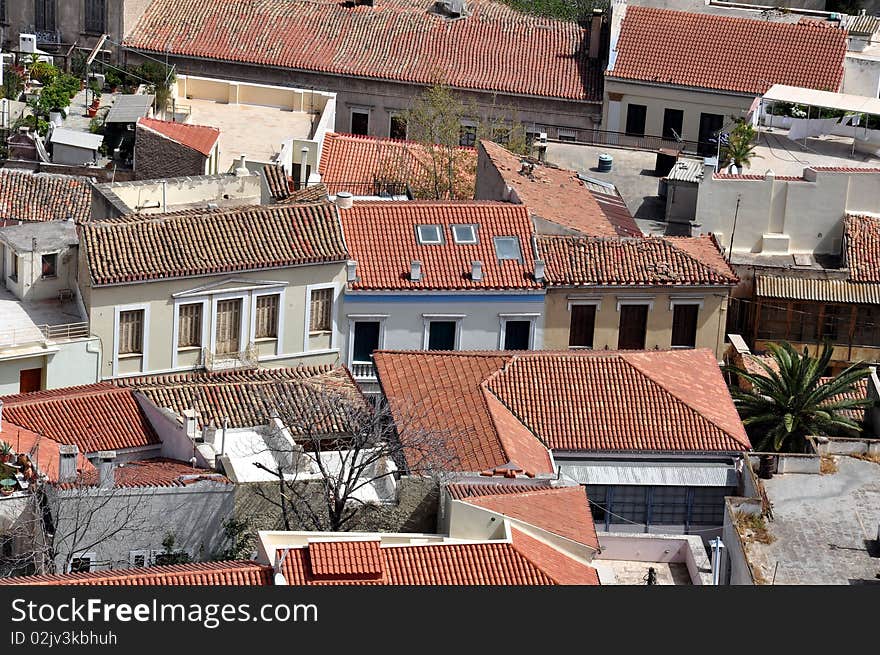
5	451
7	486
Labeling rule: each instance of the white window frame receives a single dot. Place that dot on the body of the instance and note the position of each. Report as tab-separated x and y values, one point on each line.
281	293
57	254
90	555
475	229
428	318
519	245
595	302
365	318
175	334
685	300
531	317
636	300
307	314
145	346
244	329
423	242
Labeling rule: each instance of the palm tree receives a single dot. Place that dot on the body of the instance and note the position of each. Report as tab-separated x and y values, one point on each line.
740	147
792	400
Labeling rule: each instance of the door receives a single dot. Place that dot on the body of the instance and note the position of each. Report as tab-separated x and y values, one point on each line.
633	325
635	119
517	335
710	125
228	327
583	324
30	379
673	119
360	122
684	326
441	335
366	340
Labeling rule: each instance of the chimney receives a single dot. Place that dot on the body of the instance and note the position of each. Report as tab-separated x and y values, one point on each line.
415	271
351	270
303	165
242	170
476	271
106	476
539	270
67	462
344	200
189	422
595	33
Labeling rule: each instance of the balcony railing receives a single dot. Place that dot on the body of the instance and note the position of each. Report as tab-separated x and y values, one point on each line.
12	337
636	142
363	371
66	332
245	359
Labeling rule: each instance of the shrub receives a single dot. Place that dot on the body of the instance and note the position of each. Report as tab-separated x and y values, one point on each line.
44	72
54	97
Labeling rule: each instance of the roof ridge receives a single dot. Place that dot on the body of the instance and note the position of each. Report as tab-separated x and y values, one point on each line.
62	394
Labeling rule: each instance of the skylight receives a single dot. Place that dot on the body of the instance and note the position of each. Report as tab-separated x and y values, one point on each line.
429	234
464	233
508	248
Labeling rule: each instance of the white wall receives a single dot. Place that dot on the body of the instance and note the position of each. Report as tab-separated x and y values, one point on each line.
75	363
861	75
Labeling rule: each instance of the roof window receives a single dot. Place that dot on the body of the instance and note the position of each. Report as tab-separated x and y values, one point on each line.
429	234
464	234
508	248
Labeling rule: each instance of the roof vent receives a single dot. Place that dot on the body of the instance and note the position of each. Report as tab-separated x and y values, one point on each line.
242	169
526	167
769	175
415	271
476	271
344	200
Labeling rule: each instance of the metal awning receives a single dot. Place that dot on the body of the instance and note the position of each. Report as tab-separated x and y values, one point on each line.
129	108
817	290
685	474
843	101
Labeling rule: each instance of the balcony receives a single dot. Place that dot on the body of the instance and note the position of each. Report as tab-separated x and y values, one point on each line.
243	360
27	335
363	371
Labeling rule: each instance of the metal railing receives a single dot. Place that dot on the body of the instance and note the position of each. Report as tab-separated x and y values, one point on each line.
635	141
55	333
363	370
65	332
244	359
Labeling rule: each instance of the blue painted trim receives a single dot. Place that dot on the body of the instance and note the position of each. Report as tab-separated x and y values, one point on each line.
470	298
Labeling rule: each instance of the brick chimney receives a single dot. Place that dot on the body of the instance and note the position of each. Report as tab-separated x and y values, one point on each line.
595	33
106	465
67	462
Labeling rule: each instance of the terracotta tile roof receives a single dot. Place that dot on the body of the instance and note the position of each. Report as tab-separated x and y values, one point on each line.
562	510
365	165
650	261
43	453
207	242
208	573
521	561
708	51
494	49
155	472
200	138
557	195
310	193
381	237
354	560
849	170
752	178
246	398
441	392
668	401
94	417
862	244
277	181
479	487
26	196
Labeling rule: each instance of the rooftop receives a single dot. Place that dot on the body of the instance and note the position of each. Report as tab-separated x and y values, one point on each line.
651	261
705	51
152	472
559	196
505	51
208	242
862	244
208	573
50	236
24	321
824	527
364	165
200	138
785	157
383	237
26	196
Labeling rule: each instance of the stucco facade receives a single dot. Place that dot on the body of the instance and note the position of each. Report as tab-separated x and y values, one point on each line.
711	316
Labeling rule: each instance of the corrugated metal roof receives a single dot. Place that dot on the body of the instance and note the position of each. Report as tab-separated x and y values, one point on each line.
862	25
686	170
818	290
640	473
76	138
129	108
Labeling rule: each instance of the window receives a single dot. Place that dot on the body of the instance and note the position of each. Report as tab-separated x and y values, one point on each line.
707	507
321	310
669	505
131	332
3	11
629	504
49	265
598	503
398	127
228	331
366	340
583	325
508	248
517	334
441	335
13	266
429	234
684	325
804	322
82	563
710	126
834	323
267	317
635	120
773	320
867	332
189	326
467	135
673	119
94	16
44	15
360	121
633	327
464	233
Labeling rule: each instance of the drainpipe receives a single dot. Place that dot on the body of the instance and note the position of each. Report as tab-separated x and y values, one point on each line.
717	546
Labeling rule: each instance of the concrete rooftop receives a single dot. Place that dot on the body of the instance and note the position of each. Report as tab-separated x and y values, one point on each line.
21	318
50	236
622	572
825	527
786	157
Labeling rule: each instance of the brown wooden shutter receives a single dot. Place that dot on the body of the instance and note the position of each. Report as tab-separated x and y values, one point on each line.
189	332
583	325
131	331
321	310
267	317
633	325
684	325
228	326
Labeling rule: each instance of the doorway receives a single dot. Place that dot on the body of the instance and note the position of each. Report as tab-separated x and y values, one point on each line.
673	120
710	125
633	327
30	379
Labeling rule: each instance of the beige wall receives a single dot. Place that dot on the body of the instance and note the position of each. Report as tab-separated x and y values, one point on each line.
160	338
657	98
711	318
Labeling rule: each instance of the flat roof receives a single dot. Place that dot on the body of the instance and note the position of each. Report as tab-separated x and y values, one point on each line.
50	236
843	101
76	138
129	108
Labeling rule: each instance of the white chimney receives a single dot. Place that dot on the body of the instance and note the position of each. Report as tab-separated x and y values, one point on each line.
539	270
242	169
344	200
209	434
303	164
67	462
189	422
106	477
351	270
415	271
476	271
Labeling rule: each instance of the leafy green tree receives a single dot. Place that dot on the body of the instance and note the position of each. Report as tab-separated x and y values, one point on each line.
792	399
740	148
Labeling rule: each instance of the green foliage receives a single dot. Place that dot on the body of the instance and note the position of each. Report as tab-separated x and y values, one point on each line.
570	10
239	539
13	84
53	98
791	400
78	64
69	83
43	72
112	78
96	125
740	146
170	555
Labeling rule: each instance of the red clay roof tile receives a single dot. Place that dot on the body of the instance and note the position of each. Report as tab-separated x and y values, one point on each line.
725	53
153	472
208	573
862	247
26	196
200	138
345	559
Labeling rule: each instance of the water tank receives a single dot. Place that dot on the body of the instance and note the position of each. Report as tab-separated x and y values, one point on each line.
605	163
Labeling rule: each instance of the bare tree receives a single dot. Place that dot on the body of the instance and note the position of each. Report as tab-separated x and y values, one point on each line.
338	453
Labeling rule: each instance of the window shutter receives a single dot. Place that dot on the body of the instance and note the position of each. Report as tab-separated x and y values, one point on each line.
321	310
684	325
189	331
131	332
267	317
583	323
